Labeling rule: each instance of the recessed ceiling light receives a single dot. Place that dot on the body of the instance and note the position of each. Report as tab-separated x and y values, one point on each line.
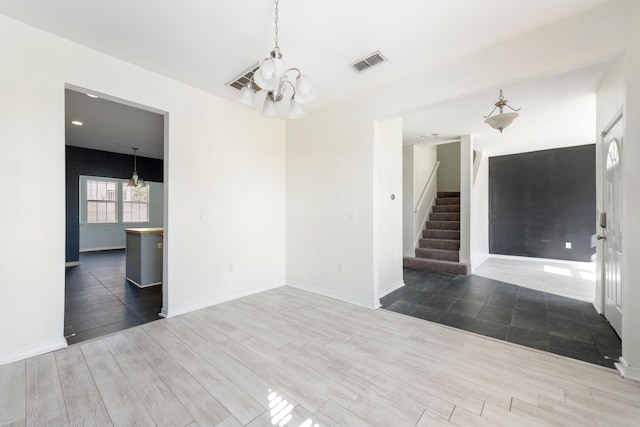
90	95
77	123
423	137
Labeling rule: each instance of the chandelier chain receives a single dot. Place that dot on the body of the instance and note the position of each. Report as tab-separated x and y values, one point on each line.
276	21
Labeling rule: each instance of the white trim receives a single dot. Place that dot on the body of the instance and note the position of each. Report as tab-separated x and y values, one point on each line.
386	291
71	264
332	294
527	258
143	286
596	305
188	309
32	350
102	248
626	371
479	263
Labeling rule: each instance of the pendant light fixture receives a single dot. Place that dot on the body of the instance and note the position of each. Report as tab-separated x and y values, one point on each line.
135	180
502	120
273	78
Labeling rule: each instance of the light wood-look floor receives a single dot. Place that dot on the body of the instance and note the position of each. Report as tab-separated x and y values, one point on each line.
290	358
569	279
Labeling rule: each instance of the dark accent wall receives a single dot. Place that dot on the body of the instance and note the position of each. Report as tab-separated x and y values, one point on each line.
540	200
83	161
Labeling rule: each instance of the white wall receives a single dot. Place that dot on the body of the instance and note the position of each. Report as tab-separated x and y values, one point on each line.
631	210
449	170
95	237
407	200
465	174
418	163
224	182
424	160
330	205
479	220
387	207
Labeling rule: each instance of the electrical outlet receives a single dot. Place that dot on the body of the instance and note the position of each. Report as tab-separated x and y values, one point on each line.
341	268
567	245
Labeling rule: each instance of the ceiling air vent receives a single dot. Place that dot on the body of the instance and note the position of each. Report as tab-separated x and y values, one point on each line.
368	61
243	78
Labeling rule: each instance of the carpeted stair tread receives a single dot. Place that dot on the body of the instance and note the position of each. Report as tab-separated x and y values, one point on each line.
446	208
443	225
448	201
448	194
450	245
441	254
438	249
441	234
444	216
435	265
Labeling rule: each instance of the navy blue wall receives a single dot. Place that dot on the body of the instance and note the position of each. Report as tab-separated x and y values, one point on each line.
83	161
540	200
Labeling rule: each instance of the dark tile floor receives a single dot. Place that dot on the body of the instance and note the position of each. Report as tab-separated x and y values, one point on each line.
507	312
99	301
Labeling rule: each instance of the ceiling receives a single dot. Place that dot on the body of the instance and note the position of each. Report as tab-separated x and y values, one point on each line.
207	43
111	126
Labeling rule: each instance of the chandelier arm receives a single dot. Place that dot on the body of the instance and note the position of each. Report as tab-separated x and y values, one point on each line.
514	109
489	115
283	84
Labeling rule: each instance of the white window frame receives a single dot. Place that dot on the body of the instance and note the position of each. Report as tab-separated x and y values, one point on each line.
144	204
119	202
103	201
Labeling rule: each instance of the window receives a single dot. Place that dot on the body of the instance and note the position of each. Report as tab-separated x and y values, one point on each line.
101	201
135	203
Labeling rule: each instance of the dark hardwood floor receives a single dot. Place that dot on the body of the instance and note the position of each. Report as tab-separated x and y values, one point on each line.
99	301
508	312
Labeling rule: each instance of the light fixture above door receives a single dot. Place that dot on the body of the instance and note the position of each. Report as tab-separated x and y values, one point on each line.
135	180
273	78
501	120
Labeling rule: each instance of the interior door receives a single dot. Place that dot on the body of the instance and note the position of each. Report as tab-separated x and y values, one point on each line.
610	226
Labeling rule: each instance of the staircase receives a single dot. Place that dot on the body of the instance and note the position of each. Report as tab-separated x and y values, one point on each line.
438	248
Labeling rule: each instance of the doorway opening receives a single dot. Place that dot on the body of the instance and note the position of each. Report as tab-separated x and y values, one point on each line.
102	201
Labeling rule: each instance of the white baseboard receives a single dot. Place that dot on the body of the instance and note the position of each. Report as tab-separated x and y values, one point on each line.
102	248
527	258
32	350
386	291
332	294
628	372
478	263
167	313
71	264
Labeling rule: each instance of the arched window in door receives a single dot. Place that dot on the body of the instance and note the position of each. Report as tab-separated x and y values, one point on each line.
613	156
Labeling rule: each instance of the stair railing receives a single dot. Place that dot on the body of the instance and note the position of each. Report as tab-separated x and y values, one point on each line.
426	186
421	212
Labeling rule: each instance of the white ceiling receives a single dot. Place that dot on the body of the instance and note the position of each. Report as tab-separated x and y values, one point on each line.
206	43
111	126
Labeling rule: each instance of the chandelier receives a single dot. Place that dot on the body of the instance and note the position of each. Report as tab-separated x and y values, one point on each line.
502	120
135	180
274	79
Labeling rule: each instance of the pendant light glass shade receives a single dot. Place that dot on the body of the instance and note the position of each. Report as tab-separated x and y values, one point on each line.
295	110
501	121
269	109
246	97
304	90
